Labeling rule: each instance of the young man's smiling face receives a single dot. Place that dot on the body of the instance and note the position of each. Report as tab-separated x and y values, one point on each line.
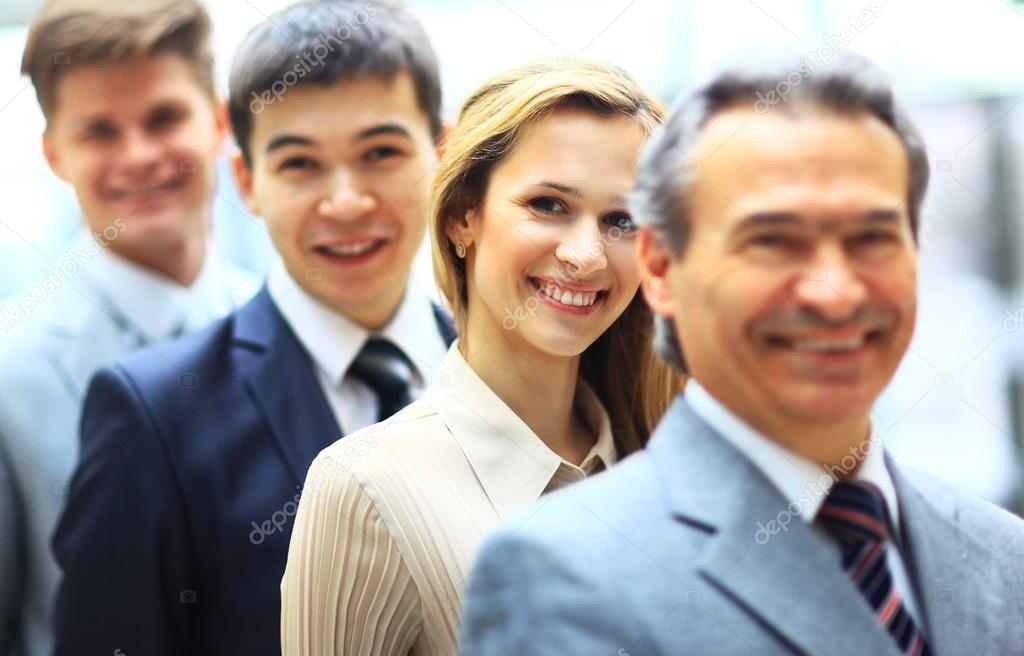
138	141
795	298
341	174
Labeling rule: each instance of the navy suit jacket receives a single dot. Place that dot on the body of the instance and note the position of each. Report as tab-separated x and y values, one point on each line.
176	532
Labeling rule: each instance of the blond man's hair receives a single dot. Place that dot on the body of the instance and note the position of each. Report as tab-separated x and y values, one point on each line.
621	366
68	33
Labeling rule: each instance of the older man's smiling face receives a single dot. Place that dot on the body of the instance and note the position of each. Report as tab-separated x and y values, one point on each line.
796	296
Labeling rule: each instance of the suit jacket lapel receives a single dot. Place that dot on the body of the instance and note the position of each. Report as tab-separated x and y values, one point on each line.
281	380
949	570
790	580
87	314
445	325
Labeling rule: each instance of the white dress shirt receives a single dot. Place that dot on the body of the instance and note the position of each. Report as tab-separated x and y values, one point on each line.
155	306
334	341
391	517
802	482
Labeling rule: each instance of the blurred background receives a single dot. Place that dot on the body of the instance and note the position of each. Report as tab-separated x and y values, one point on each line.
955	408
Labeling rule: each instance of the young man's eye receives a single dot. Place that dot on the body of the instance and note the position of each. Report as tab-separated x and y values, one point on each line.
548	205
165	119
99	132
382	152
872	238
297	164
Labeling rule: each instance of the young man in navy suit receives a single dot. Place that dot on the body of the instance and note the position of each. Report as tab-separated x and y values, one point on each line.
177	528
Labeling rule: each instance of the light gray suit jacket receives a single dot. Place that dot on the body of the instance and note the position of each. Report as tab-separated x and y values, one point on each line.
46	361
662	555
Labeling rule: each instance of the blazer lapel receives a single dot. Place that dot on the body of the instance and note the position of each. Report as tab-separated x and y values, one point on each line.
445	325
789	579
282	382
949	569
87	334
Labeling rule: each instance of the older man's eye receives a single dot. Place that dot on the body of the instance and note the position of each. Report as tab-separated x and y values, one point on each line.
773	241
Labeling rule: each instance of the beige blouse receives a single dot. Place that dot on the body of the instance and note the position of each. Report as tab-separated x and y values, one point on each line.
391	517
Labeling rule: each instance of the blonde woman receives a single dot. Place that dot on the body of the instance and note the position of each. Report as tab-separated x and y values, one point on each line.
553	378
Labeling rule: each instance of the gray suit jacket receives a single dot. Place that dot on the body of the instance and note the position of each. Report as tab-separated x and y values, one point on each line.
662	554
46	361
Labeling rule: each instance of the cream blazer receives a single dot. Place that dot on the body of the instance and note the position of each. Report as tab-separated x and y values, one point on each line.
391	517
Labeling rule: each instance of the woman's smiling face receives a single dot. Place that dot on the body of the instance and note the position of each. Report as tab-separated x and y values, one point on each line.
551	256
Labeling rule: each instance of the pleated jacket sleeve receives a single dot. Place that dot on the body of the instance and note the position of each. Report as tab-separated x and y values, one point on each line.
346	589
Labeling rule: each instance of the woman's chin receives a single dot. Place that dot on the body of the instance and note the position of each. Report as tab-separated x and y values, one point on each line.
556	342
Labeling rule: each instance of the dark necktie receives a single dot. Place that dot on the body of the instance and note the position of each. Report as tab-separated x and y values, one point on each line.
384	367
855	513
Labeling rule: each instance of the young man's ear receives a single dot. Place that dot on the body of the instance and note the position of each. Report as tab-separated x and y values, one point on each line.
52	154
442	139
655	259
244	182
223	124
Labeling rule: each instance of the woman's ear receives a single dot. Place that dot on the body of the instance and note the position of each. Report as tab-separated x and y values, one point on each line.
462	229
655	260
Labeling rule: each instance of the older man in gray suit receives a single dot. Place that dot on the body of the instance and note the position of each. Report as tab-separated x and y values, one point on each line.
779	244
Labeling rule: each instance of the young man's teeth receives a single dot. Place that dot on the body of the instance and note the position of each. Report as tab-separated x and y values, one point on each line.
350	250
567	297
147	191
828	344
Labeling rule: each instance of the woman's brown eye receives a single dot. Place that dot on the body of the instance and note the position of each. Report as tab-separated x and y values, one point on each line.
547	204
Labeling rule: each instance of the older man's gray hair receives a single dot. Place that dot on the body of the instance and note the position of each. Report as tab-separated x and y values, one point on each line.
851	85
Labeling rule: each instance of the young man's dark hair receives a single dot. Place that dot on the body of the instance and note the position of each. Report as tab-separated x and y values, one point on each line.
198	454
323	42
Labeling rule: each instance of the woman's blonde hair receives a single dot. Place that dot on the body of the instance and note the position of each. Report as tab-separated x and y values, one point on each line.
621	366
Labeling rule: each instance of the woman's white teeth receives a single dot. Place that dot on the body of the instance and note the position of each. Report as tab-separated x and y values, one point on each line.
828	344
351	250
568	297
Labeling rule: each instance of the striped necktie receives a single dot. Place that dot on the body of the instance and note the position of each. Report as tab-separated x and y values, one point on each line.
387	371
855	513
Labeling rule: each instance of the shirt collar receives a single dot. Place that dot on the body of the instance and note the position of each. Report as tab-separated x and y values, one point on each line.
802	483
512	463
156	305
333	340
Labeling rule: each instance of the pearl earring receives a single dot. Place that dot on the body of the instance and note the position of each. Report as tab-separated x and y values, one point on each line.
460	249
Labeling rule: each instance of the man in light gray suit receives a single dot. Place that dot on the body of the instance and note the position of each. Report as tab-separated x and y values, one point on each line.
132	124
779	215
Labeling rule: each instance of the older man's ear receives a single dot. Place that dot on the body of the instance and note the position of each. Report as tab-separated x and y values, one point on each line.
655	260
